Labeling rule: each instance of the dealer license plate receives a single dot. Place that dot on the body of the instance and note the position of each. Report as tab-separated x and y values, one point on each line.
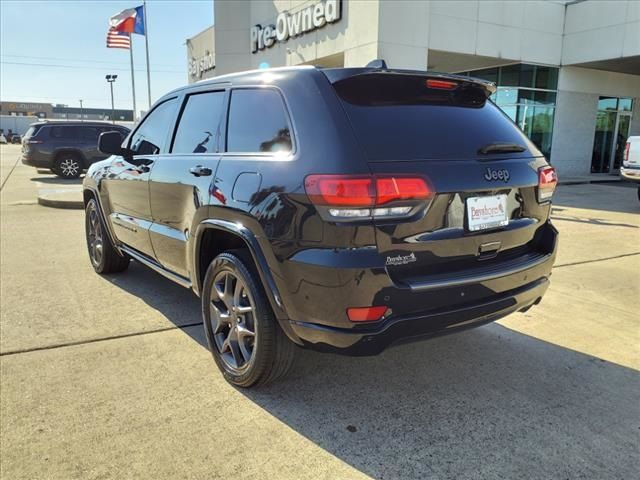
487	212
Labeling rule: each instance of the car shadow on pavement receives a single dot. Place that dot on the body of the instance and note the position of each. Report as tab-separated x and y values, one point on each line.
179	305
486	403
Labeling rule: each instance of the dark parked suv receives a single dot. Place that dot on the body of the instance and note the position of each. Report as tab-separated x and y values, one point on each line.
336	209
66	148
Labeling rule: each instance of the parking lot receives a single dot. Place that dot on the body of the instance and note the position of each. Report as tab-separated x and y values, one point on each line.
110	376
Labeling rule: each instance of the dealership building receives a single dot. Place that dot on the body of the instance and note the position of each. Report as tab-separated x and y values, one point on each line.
568	72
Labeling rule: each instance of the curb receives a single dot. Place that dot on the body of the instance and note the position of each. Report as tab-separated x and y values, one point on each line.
48	201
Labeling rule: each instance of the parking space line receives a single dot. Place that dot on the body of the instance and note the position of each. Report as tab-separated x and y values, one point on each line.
96	340
596	260
12	169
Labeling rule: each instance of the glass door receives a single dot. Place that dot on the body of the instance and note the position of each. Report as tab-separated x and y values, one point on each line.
612	130
619	141
603	141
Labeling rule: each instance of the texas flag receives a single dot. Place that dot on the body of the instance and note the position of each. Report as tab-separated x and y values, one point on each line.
130	20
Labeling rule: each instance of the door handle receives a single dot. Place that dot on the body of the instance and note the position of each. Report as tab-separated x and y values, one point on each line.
200	171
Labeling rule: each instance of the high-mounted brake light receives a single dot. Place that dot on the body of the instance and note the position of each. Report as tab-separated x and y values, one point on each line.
441	84
547	182
364	196
366	314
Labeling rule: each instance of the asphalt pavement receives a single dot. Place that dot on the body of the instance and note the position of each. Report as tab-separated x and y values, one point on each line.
109	377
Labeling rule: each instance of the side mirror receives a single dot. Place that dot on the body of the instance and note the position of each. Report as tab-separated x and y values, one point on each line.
111	143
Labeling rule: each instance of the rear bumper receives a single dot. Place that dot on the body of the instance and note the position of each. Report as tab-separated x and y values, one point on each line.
33	161
434	305
630	173
418	327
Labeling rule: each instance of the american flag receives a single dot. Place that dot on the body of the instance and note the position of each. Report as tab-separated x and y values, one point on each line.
117	39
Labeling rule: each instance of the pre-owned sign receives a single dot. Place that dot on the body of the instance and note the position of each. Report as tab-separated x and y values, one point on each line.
293	24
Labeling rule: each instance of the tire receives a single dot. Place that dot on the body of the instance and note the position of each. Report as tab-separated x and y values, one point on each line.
260	354
638	193
103	255
67	165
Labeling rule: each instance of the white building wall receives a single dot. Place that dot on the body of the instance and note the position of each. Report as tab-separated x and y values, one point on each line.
573	132
576	108
600	30
526	31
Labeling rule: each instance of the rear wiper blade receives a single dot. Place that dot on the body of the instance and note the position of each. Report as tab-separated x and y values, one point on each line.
501	148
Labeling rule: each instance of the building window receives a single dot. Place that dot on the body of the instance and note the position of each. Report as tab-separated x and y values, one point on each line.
613	121
527	94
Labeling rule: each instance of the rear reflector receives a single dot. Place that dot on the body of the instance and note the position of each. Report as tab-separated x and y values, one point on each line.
364	191
441	84
366	314
547	182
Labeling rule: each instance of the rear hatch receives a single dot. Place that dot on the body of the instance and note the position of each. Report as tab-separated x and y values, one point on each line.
30	137
482	173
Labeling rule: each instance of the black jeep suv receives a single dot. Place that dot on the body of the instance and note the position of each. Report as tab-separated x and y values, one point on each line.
66	148
337	209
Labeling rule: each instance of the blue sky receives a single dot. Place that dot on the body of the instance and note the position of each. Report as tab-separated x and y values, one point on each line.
63	43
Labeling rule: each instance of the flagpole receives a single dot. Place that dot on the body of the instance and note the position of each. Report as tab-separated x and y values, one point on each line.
133	78
146	43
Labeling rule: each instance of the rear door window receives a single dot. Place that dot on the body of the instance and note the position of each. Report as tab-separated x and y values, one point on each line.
65	132
197	130
258	122
151	136
397	117
90	133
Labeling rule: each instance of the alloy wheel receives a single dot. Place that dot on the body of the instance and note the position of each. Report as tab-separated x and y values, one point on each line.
233	320
69	167
95	242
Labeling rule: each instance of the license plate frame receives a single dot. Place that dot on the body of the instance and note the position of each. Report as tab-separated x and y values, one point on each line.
486	212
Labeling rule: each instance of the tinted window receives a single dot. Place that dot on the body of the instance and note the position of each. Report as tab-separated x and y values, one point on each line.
66	133
32	131
199	123
90	133
150	137
397	117
257	122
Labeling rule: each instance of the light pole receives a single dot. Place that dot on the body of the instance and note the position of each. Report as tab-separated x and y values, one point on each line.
111	79
81	112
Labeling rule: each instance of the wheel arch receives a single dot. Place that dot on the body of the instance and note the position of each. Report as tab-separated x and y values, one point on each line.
89	193
214	236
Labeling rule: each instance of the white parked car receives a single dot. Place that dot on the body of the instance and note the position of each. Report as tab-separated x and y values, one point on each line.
630	169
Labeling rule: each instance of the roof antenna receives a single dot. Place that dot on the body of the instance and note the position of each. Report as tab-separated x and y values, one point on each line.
378	64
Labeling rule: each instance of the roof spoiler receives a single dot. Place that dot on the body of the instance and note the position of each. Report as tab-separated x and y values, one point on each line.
380	66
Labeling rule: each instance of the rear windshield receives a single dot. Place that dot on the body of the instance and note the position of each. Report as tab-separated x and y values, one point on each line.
397	117
32	131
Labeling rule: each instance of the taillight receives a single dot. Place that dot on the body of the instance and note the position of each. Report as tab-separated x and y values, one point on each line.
547	182
340	191
625	156
360	197
366	314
